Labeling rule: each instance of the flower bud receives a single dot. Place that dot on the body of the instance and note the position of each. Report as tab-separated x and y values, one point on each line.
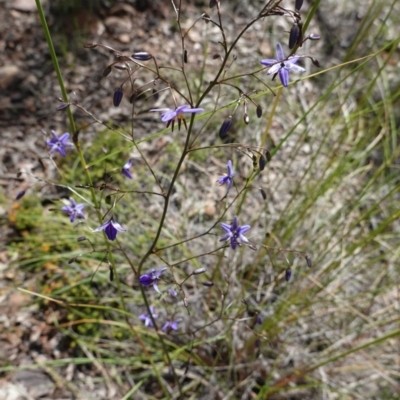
213	3
223	131
259	112
62	106
258	320
199	271
314	36
118	94
268	155
208	284
262	162
142	56
81	238
294	35
185	57
263	194
309	262
172	292
111	274
20	195
298	5
246	118
288	274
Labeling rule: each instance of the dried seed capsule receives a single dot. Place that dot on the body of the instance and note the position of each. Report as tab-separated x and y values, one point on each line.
223	131
142	56
262	162
118	94
309	262
294	35
315	62
259	112
298	5
107	71
185	57
288	274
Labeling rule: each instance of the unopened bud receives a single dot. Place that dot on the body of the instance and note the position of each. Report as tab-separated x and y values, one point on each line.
111	274
185	56
223	131
213	3
71	260
259	112
208	284
258	320
142	56
172	292
314	36
268	155
107	71
246	118
309	262
263	194
294	35
81	238
262	162
288	274
20	195
298	5
118	94
62	106
199	271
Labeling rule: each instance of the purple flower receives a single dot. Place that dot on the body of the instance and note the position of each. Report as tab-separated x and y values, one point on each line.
125	169
110	228
169	115
281	66
59	143
234	233
151	278
227	179
146	318
75	210
171	325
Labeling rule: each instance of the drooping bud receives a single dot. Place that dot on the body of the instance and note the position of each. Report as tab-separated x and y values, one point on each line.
223	131
199	271
259	112
246	118
314	36
294	35
20	195
81	238
298	5
208	284
213	3
258	320
185	56
308	260
172	292
288	274
268	155
142	56
62	106
107	71
262	162
118	94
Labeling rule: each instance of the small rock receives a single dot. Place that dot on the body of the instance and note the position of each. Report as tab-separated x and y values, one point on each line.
9	75
24	5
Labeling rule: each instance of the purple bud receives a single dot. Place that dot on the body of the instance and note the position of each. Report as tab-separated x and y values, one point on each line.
223	131
118	94
262	162
62	106
172	292
294	35
314	36
288	274
257	343
298	5
258	320
309	262
81	238
107	71
199	271
259	112
213	3
142	56
20	195
208	284
246	119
